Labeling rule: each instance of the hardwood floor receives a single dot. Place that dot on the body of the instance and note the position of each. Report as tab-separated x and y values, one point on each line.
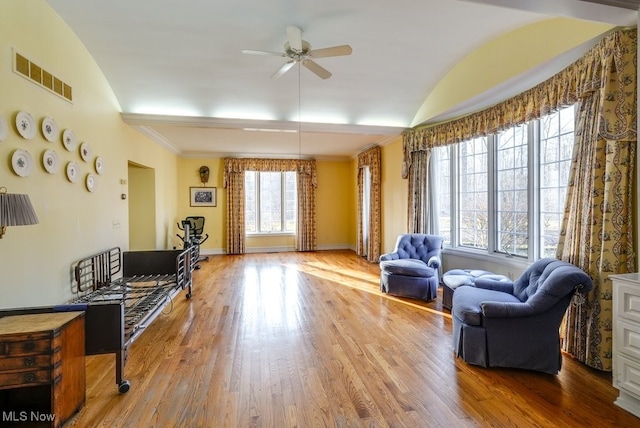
307	339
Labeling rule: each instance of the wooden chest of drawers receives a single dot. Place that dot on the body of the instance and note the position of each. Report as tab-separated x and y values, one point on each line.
42	368
626	340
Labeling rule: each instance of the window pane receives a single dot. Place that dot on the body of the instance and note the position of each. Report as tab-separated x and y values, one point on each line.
270	202
250	213
511	186
443	186
474	216
291	201
556	137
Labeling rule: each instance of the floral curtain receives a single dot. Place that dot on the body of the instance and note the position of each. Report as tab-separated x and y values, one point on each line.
597	232
234	169
306	223
419	194
371	158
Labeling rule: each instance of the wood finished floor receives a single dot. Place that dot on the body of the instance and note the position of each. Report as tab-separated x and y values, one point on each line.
307	340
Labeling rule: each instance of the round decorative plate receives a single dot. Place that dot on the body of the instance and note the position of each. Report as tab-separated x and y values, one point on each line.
90	182
3	129
26	125
50	161
85	151
50	129
99	165
69	140
72	171
21	162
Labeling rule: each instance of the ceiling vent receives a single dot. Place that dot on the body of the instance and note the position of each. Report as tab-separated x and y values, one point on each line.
38	75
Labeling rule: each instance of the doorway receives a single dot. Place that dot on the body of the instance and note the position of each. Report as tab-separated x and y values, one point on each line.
142	207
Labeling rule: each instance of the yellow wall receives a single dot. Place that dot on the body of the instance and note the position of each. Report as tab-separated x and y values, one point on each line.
394	195
35	261
504	58
215	217
336	210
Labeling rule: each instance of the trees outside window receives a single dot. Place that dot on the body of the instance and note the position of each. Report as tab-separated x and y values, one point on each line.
270	202
495	192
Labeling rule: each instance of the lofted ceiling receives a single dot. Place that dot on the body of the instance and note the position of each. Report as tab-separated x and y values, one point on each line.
179	74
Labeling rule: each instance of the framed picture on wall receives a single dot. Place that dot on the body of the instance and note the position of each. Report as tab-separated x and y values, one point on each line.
203	196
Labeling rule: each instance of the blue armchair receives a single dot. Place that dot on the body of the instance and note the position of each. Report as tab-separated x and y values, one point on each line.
516	324
412	269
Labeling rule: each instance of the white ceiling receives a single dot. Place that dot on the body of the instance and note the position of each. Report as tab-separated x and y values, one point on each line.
178	73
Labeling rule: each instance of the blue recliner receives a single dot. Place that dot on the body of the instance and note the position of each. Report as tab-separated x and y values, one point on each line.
504	324
412	269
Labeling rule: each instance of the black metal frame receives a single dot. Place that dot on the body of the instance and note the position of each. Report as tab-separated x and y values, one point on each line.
119	309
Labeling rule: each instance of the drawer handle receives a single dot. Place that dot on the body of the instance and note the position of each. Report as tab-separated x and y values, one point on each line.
29	346
29	377
29	361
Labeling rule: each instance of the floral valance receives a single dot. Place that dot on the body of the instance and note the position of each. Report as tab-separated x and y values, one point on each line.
372	158
240	165
615	56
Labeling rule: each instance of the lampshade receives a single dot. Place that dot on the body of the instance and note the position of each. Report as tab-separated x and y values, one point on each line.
15	210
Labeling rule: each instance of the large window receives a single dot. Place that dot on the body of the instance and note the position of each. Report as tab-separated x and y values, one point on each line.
270	202
496	192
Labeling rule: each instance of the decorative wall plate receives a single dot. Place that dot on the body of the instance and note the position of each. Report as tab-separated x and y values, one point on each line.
26	125
50	129
90	182
69	140
72	171
3	128
50	161
85	152
21	162
99	165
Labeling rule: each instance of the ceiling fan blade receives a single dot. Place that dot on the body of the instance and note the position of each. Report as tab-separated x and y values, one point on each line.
285	67
267	53
333	51
294	36
321	72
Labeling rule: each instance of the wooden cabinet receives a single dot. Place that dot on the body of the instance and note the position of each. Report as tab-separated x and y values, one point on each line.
42	368
626	340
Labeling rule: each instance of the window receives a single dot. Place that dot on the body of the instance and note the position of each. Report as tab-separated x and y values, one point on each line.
495	192
556	145
512	205
473	193
270	202
443	184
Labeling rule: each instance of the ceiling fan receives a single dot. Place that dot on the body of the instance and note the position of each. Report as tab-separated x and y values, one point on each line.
299	51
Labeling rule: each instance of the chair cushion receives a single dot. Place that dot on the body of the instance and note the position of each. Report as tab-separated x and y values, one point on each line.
407	267
458	277
467	303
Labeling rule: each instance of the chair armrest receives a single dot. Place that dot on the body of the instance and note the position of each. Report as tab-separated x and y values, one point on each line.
494	284
506	309
389	256
434	262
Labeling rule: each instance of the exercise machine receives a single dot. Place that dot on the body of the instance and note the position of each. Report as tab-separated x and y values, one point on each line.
194	236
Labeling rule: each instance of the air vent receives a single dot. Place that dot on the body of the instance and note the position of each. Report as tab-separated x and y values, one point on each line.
41	77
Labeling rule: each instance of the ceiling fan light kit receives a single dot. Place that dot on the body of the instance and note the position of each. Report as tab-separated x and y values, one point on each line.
299	51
